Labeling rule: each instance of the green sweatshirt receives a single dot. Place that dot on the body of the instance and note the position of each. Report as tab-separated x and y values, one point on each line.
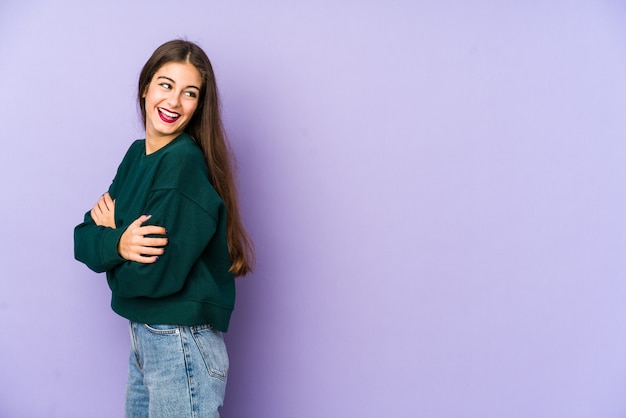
190	283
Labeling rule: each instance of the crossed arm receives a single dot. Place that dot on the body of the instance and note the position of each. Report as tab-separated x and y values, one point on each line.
134	244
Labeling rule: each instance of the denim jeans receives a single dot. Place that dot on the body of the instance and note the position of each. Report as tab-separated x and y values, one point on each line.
175	371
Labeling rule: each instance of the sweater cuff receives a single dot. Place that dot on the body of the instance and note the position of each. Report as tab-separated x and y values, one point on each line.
110	256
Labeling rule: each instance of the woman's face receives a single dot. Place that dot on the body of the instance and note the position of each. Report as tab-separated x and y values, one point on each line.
171	100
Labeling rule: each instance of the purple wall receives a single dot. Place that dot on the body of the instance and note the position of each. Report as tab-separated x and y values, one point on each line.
437	194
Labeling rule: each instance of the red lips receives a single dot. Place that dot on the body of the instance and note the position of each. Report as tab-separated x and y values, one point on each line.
168	116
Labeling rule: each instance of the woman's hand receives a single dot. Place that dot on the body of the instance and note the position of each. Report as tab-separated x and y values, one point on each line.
135	246
103	212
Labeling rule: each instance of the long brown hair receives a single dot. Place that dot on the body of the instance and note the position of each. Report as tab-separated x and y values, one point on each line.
206	128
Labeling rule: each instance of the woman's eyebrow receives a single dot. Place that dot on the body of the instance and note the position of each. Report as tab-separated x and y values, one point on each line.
173	82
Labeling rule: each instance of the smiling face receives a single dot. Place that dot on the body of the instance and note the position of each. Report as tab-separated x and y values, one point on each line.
171	99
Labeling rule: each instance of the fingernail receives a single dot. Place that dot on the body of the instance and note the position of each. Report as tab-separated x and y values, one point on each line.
149	216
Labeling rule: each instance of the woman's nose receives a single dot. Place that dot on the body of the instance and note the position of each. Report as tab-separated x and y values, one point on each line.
173	99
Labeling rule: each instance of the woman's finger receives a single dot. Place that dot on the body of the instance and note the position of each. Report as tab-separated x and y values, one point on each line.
143	258
151	251
137	222
147	260
154	242
101	205
108	202
152	230
96	212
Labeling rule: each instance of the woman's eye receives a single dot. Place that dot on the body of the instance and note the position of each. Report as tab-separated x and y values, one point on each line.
165	85
191	94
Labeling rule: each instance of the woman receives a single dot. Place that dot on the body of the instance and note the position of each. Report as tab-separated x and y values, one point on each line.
169	236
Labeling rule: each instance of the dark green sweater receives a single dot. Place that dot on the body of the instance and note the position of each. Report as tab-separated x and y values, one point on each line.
190	283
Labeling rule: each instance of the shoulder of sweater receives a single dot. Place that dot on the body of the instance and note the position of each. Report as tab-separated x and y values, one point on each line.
137	147
184	152
132	156
183	167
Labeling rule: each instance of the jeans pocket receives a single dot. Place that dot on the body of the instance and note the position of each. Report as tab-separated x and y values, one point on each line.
162	329
211	344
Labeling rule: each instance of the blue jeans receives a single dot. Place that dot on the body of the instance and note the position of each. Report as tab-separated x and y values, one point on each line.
175	371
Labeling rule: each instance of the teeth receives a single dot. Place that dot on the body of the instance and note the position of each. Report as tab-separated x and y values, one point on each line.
169	114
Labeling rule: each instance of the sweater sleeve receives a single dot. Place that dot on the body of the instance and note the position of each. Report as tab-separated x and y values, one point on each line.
189	229
96	246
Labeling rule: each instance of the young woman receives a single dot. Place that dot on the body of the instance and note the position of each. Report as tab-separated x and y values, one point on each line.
169	236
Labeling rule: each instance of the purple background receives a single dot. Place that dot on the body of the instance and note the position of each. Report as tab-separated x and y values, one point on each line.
436	191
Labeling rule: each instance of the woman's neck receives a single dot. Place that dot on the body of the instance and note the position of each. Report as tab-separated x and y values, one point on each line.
153	144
